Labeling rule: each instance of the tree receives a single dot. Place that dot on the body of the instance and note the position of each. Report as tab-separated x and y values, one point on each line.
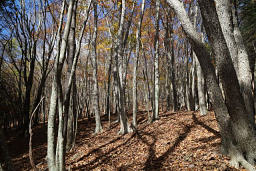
95	75
232	117
156	63
232	34
118	72
200	77
55	158
138	36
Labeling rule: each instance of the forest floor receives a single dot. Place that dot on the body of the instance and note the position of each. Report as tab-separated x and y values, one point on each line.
178	141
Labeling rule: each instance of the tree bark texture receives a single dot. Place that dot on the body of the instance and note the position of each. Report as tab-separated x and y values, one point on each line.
96	107
134	90
156	62
242	132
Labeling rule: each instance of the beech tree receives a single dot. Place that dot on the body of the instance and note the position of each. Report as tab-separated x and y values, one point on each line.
96	106
238	134
119	72
138	36
96	59
229	25
55	157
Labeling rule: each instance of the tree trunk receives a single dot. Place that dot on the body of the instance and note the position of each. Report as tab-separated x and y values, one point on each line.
245	75
118	75
134	94
237	51
69	105
59	154
156	62
173	79
201	89
187	80
96	107
242	131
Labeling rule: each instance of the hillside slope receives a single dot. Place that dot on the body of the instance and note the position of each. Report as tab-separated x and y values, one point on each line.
178	141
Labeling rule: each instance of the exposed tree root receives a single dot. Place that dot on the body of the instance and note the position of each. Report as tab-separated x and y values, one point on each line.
238	159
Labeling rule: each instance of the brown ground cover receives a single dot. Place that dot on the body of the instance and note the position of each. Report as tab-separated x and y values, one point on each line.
178	141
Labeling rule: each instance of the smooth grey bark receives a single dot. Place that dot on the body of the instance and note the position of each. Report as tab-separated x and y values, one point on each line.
221	110
55	158
74	51
108	93
136	59
225	17
167	85
228	21
68	103
124	125
245	75
199	74
173	79
52	109
201	89
193	14
145	74
95	93
156	62
243	130
193	82
147	92
168	45
187	80
126	54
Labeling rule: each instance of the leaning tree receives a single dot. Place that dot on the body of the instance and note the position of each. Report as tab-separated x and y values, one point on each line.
237	130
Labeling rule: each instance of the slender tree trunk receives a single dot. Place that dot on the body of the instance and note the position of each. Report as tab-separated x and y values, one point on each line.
124	125
200	77
145	74
138	35
173	79
28	84
96	107
156	62
201	89
187	81
193	82
58	164
107	110
68	104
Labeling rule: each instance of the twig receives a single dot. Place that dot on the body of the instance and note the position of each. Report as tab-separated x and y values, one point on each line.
30	138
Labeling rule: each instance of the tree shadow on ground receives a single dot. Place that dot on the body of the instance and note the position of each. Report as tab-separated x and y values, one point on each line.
93	150
196	121
151	151
154	163
168	114
102	157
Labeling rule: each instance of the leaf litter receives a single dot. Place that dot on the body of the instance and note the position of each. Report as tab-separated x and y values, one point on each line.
177	141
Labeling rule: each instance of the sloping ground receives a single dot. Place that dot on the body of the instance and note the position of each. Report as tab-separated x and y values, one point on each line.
178	141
